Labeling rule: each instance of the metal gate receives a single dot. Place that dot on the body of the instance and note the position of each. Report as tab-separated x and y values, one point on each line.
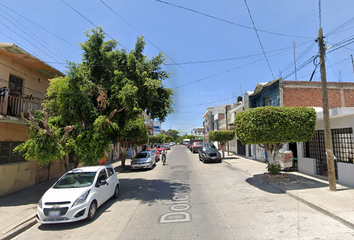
241	149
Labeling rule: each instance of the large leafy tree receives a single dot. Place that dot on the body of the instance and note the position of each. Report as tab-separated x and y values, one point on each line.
173	133
222	136
99	101
271	127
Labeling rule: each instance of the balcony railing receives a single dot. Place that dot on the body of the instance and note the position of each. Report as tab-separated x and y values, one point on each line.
14	105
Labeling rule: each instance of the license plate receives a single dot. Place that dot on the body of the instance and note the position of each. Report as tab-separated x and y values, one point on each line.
54	213
213	157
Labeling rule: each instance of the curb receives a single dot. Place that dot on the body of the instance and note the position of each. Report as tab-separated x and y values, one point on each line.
19	228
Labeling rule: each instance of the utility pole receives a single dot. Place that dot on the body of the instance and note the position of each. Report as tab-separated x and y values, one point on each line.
351	55
327	127
295	61
227	128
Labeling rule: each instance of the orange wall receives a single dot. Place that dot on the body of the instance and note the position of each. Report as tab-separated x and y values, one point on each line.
13	132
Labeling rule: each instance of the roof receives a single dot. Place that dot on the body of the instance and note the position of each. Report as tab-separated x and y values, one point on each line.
23	58
261	86
88	169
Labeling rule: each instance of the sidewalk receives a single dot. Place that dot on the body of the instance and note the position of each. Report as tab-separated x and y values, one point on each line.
310	190
17	211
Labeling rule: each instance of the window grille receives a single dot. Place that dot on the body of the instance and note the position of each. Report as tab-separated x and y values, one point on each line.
342	140
7	155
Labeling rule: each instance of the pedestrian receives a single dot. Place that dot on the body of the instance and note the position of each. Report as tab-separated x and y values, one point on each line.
163	156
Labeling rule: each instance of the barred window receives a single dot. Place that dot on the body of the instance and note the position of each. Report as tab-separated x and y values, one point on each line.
7	155
342	140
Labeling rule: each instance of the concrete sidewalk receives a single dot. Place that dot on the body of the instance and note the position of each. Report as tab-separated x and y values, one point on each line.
310	190
17	211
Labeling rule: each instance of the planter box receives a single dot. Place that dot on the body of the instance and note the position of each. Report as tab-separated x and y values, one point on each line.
278	178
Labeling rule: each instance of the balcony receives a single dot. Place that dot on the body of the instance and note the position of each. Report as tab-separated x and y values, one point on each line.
13	105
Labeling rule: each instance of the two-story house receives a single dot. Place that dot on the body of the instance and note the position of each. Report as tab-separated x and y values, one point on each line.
23	81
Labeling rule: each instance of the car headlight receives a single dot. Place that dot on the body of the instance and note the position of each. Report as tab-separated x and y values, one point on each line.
40	203
82	198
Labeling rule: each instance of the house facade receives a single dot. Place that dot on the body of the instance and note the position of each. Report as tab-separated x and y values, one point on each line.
311	155
212	118
23	82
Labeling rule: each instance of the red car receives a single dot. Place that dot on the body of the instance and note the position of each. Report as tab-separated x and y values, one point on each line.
155	152
162	147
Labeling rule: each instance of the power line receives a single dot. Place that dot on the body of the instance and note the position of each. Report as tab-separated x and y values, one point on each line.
88	20
52	50
260	42
226	21
234	58
40	27
189	94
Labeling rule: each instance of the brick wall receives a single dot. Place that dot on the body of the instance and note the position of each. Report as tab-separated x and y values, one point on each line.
303	94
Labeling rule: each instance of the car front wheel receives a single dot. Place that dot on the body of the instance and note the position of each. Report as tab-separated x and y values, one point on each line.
116	192
92	211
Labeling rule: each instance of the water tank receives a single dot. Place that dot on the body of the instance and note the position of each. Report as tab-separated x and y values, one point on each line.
239	99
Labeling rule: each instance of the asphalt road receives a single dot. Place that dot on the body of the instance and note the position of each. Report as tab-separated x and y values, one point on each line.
187	199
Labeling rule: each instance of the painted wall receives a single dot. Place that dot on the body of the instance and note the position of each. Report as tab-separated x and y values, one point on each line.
32	80
12	132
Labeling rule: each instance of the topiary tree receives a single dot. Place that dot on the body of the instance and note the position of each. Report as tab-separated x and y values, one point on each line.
272	127
222	136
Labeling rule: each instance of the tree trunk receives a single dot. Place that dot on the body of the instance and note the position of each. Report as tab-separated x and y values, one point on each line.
223	149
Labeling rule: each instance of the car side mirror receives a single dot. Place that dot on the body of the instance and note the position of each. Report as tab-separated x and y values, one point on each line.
101	183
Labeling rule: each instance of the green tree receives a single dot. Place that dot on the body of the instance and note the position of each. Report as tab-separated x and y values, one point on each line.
271	127
173	133
93	105
168	138
153	139
191	137
134	134
222	136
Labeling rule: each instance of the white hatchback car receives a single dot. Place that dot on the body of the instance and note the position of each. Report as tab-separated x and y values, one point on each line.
77	195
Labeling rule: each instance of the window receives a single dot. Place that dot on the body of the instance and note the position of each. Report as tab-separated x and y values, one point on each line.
267	101
102	176
110	171
7	155
15	85
342	140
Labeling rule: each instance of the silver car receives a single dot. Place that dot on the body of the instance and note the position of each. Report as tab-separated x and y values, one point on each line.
145	159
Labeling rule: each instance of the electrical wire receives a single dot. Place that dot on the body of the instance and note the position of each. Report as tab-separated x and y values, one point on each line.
40	27
46	46
259	39
226	21
72	8
188	94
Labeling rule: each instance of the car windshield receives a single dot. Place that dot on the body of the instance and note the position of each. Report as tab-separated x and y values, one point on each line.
141	155
76	180
152	150
209	148
198	143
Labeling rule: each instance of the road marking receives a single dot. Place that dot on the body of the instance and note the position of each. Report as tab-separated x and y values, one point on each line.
180	200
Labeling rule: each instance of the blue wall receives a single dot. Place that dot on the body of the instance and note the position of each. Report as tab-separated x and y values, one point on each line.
271	92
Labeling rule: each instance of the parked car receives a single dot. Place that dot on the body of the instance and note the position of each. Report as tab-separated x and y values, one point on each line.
209	154
161	147
145	159
77	195
172	144
196	147
155	152
167	146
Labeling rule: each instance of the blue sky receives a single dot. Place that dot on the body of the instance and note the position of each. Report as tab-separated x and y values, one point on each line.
213	52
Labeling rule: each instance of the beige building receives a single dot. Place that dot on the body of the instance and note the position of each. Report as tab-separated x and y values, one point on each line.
23	82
